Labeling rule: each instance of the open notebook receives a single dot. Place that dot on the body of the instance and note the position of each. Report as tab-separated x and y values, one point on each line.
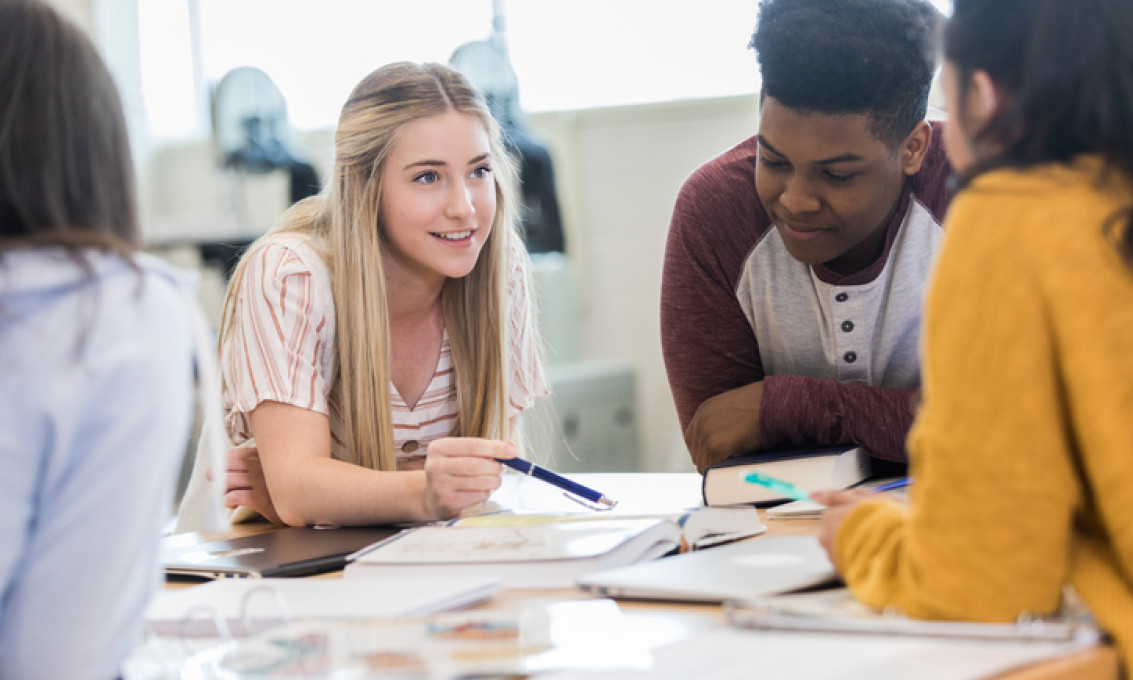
289	551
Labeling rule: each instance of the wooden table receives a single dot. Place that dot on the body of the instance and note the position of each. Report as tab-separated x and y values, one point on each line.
684	620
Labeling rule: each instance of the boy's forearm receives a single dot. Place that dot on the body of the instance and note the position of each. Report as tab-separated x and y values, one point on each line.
801	411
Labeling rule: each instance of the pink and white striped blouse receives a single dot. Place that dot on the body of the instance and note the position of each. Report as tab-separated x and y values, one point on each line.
280	348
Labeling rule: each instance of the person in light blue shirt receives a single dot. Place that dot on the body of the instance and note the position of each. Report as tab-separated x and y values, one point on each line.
95	363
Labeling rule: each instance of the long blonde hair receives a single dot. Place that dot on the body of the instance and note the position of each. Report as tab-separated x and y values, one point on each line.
344	223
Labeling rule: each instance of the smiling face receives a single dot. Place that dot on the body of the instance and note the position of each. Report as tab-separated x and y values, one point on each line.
829	184
439	198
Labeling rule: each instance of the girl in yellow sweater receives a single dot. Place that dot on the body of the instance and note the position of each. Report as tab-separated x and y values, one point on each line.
1023	448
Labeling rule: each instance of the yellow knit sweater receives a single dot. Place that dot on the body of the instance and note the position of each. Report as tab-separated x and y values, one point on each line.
1023	449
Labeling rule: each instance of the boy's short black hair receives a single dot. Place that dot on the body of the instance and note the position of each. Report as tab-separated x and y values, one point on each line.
850	56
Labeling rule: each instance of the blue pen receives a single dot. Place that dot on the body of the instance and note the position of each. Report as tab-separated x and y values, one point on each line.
778	486
532	470
898	484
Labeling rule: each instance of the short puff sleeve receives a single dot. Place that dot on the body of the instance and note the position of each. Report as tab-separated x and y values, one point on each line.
279	346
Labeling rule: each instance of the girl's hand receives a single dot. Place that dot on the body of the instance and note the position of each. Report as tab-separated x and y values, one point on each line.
838	505
462	471
245	484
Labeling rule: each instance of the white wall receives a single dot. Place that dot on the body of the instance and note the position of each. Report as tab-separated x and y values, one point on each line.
619	171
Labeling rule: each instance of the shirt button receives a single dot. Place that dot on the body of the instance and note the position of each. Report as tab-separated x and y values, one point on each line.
850	357
841	297
410	446
847	326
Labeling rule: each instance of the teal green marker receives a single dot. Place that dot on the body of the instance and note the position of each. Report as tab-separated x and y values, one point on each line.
778	486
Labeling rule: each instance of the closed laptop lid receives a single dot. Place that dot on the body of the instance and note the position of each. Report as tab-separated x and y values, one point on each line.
753	568
287	551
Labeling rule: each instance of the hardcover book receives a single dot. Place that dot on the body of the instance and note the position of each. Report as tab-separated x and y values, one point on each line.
810	469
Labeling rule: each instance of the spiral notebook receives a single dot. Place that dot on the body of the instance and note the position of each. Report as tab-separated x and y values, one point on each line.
836	611
245	606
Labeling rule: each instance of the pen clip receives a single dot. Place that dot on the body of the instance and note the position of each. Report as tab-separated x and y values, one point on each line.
597	507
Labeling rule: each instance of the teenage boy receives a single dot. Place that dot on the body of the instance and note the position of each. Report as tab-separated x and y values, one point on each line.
796	262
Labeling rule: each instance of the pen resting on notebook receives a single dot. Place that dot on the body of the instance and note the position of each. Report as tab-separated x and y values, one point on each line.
532	470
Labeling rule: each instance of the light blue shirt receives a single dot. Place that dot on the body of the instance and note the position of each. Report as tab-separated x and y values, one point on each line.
95	409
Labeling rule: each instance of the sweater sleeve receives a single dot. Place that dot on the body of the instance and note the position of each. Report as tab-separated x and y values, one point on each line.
988	531
799	411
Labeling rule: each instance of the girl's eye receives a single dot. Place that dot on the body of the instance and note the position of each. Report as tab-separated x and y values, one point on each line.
773	164
838	178
427	177
482	172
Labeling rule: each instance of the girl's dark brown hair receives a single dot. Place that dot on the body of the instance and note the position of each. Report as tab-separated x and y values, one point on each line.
66	175
1068	67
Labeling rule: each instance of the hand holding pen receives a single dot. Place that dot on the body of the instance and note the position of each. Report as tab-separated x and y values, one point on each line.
461	472
839	504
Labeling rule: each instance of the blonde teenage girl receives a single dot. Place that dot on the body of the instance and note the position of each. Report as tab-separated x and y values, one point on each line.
377	347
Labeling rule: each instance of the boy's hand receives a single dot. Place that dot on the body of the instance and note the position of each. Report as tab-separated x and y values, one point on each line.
725	425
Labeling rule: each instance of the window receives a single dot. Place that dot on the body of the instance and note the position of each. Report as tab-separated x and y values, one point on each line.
567	54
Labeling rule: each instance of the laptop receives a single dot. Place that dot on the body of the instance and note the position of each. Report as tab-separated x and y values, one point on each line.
737	571
287	551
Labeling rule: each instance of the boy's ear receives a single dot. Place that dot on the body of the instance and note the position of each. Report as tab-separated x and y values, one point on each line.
912	151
